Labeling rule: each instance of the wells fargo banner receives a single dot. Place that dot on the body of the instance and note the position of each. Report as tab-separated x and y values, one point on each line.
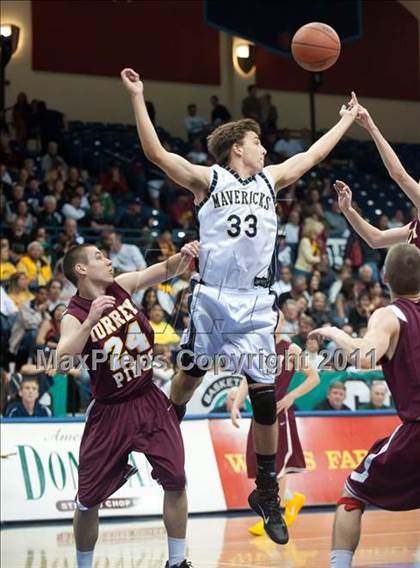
333	446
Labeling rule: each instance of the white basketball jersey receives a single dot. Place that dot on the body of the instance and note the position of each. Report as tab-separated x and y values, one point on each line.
238	230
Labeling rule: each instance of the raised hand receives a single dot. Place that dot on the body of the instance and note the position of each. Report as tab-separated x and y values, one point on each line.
132	82
98	307
344	195
363	118
351	108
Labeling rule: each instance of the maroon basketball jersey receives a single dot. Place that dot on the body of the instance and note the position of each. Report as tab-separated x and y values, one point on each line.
121	332
414	233
402	372
285	376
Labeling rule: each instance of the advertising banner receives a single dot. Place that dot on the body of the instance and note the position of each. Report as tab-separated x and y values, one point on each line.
39	474
333	446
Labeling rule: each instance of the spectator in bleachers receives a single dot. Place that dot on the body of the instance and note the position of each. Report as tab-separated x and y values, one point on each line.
335	397
73	208
71	231
197	154
149	300
287	147
33	194
49	215
134	217
194	124
114	181
377	394
35	265
16	196
25	328
251	105
181	211
360	314
314	284
306	325
299	287
95	219
397	220
21	117
55	288
291	315
28	404
7	268
284	284
5	175
163	248
48	334
99	193
285	254
336	221
164	332
69	289
73	179
52	160
343	274
365	279
311	354
269	113
309	253
18	237
319	310
163	368
125	257
219	113
376	295
22	212
18	290
345	300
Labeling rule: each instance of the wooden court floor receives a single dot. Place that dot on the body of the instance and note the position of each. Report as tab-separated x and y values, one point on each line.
389	540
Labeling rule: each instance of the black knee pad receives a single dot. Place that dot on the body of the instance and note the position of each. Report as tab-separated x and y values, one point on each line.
263	400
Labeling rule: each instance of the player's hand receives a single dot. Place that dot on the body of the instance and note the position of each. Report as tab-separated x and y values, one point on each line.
190	250
326	332
351	108
363	118
285	403
98	307
132	82
235	416
344	195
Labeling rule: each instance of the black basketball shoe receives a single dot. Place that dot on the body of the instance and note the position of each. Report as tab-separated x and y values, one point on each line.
184	564
265	502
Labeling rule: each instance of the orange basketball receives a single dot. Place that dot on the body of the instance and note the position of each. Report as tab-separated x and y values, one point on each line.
316	46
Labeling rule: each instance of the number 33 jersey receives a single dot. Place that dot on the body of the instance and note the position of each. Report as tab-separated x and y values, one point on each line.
237	230
118	353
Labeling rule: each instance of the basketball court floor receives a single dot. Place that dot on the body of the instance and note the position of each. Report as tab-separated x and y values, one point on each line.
388	540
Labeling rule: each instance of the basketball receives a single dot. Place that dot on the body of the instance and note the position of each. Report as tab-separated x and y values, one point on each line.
316	46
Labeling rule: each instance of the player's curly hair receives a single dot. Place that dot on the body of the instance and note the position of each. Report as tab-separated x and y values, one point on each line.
222	139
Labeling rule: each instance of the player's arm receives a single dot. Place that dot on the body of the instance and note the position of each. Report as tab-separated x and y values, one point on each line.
74	335
374	237
195	178
291	170
382	328
160	272
235	413
390	159
294	356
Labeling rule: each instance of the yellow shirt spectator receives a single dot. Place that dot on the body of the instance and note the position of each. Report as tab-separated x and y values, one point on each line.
18	289
35	265
164	332
6	267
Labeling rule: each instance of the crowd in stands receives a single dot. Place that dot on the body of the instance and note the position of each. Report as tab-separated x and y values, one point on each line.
64	184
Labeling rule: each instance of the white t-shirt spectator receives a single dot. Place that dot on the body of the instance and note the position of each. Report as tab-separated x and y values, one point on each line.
281	287
291	232
7	305
71	212
194	124
288	148
128	259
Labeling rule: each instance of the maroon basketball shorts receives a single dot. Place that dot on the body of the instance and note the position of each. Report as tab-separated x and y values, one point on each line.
145	424
289	458
389	476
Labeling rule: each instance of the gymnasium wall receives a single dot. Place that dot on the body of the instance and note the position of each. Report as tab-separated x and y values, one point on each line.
102	98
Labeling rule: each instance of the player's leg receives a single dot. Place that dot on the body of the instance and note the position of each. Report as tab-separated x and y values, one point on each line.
175	515
183	386
346	531
85	527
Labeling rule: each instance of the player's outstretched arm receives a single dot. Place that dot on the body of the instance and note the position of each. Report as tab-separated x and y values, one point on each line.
294	168
294	353
374	237
161	272
195	178
242	393
74	335
390	159
383	327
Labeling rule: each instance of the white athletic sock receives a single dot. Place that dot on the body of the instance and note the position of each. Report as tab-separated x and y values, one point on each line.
84	559
176	547
341	558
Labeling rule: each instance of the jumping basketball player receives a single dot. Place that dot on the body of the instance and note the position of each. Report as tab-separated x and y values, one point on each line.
289	458
389	476
231	305
128	412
